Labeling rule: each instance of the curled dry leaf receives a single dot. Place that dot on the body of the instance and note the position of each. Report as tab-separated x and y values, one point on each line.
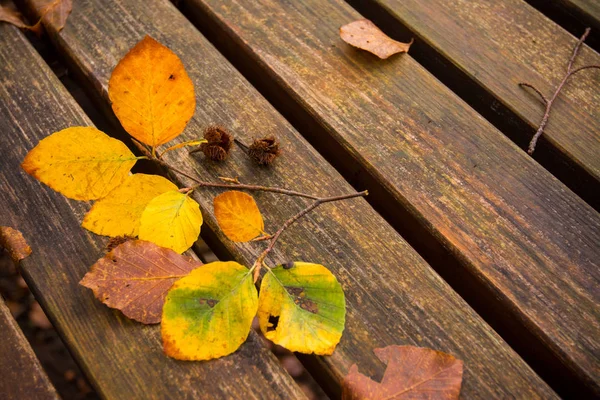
171	220
119	213
238	216
367	36
82	163
411	373
302	308
151	93
135	277
15	244
208	314
53	13
9	13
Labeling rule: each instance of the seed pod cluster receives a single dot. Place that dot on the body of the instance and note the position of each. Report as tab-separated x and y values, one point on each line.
218	145
264	150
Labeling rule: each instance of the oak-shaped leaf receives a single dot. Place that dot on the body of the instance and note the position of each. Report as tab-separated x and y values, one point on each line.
151	93
14	243
208	314
171	220
135	277
82	163
238	216
411	373
120	212
367	36
302	308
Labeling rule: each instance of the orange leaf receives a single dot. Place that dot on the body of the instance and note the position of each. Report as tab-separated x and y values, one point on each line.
367	36
151	93
135	278
238	216
13	241
411	373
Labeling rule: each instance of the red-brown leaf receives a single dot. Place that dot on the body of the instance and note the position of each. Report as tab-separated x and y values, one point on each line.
53	13
135	278
411	373
367	36
9	13
15	244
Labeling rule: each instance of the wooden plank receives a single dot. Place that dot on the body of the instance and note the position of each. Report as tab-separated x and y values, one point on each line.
482	49
21	374
574	16
525	247
122	359
393	296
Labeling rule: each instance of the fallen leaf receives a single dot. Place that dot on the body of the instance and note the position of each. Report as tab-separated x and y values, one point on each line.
238	216
135	278
208	314
367	36
119	213
53	13
411	373
151	93
302	308
10	14
15	244
171	220
82	163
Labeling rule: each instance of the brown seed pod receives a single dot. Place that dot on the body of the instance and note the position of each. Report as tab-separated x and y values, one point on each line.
264	150
218	145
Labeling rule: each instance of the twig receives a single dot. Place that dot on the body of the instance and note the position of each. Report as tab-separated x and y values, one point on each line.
261	258
548	103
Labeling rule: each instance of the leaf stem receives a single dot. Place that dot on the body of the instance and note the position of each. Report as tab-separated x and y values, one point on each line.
549	102
261	258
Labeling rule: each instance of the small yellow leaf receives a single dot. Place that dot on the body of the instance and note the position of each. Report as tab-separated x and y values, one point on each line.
238	216
302	308
209	313
151	93
171	220
119	213
82	163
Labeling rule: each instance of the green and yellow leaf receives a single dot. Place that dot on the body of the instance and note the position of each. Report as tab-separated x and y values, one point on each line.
82	163
119	213
171	220
238	216
209	313
302	308
151	93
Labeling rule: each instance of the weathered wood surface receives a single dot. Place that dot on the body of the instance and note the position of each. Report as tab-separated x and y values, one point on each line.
21	374
446	177
483	49
122	358
393	296
573	15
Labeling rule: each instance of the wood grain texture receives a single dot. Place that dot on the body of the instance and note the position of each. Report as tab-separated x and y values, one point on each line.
484	49
530	244
21	374
122	358
393	296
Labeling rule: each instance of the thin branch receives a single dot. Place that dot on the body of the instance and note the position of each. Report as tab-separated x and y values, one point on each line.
569	72
261	258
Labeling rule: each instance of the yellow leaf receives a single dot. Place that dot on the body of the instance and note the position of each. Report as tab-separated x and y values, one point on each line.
82	163
171	220
119	213
238	216
302	308
209	313
151	93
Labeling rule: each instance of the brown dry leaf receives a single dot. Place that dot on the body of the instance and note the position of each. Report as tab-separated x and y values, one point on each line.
135	278
367	36
53	13
15	244
238	216
411	373
10	14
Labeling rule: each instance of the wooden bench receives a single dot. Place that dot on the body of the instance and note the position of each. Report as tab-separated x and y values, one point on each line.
21	374
515	242
493	222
